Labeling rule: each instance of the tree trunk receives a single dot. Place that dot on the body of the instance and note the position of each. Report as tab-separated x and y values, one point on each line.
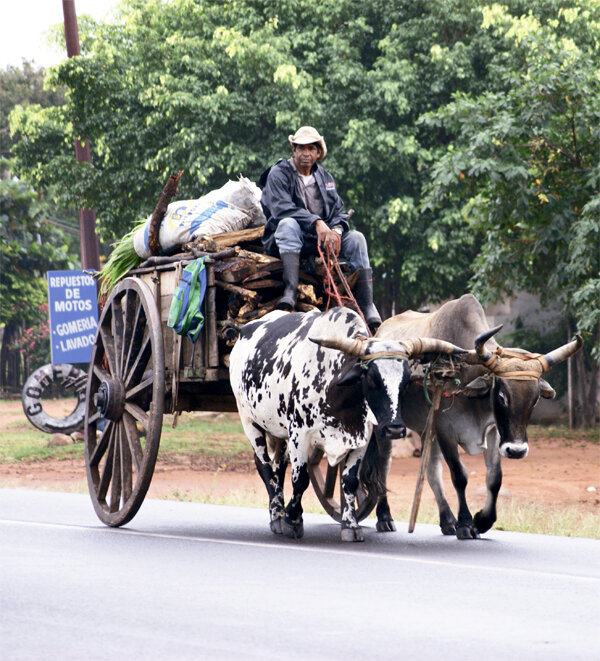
9	360
583	375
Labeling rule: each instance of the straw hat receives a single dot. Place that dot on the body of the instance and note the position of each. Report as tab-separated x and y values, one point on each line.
307	135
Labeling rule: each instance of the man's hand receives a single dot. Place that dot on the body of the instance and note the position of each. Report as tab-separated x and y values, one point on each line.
327	238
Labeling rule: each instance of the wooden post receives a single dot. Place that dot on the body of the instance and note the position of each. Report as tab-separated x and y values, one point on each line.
212	348
428	436
88	241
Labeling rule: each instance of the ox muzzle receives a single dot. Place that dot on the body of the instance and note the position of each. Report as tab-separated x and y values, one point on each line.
514	449
388	432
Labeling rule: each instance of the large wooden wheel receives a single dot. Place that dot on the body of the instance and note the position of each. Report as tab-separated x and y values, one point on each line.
327	485
124	402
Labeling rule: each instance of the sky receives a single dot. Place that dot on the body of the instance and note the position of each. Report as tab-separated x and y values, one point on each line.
25	22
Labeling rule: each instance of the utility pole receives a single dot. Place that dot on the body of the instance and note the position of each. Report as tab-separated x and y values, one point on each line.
90	258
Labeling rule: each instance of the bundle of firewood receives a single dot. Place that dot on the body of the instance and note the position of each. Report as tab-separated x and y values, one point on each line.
249	282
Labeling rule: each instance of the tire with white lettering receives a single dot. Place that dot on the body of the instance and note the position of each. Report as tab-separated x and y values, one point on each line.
71	382
326	483
124	402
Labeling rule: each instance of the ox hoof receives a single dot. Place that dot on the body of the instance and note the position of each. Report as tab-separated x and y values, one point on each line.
352	535
385	525
483	523
293	529
467	532
448	529
276	527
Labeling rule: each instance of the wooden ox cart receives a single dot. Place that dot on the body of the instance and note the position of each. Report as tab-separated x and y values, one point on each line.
140	369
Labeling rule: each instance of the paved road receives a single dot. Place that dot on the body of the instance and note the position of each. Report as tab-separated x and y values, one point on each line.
188	581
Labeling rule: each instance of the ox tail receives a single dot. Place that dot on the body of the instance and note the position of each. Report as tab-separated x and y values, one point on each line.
374	466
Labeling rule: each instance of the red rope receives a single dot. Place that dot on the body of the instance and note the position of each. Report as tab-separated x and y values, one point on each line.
330	288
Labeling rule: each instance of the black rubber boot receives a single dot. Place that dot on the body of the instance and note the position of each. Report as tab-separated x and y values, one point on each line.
363	293
291	271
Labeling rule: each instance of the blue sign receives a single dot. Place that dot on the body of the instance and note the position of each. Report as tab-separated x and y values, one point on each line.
73	302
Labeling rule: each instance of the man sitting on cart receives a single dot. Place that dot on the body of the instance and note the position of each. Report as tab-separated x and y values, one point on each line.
303	211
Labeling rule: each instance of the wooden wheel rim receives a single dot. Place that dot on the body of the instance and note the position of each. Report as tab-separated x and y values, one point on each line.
326	484
125	388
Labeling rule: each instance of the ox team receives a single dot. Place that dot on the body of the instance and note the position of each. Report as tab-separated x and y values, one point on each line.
306	380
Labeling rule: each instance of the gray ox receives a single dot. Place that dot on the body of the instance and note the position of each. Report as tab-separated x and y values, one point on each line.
315	380
490	414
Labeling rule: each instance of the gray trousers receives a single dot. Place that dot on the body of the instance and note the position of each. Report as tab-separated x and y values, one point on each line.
290	238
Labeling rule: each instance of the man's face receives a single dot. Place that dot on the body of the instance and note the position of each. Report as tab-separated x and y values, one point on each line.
305	156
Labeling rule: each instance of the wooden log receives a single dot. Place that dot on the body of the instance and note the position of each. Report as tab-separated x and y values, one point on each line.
227	334
212	349
236	270
247	310
305	307
169	191
263	284
266	261
186	257
310	278
241	236
257	313
228	323
246	294
226	239
261	274
307	293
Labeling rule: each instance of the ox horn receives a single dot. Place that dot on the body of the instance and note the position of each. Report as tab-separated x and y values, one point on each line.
420	345
351	346
480	341
562	353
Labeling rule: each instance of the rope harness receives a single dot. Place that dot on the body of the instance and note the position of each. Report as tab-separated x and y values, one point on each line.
330	288
504	363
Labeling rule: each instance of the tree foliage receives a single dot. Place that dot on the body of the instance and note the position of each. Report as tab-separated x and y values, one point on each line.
22	85
29	246
524	166
214	87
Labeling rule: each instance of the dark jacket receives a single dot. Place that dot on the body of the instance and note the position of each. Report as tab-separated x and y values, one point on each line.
281	199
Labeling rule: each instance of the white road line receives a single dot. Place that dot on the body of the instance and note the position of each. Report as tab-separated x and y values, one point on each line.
302	549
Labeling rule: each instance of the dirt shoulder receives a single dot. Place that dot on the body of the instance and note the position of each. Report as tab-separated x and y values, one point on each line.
559	472
556	473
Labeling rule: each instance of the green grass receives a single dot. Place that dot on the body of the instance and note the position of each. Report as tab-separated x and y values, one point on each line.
220	436
587	435
519	517
20	441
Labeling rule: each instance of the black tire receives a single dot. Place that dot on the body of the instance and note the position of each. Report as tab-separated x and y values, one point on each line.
70	378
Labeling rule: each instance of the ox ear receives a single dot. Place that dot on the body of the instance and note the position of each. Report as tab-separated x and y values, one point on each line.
479	387
546	390
352	376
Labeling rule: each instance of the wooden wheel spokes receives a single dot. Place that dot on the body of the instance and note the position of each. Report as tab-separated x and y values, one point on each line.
331	478
140	346
117	461
131	311
116	329
125	402
326	480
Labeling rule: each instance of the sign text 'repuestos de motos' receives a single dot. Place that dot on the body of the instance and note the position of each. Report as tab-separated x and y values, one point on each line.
72	298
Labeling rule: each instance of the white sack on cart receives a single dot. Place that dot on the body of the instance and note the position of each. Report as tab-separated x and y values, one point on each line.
233	207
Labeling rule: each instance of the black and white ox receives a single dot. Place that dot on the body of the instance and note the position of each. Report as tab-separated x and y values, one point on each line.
315	380
489	414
